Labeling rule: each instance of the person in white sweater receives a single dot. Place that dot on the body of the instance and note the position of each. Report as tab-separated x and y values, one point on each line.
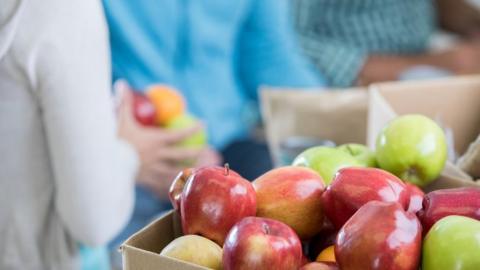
66	170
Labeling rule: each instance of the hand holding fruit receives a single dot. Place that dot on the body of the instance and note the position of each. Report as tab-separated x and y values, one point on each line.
160	158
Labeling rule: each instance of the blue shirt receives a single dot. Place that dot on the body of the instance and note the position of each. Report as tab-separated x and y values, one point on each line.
217	53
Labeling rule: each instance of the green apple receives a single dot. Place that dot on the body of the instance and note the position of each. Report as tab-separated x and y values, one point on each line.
413	147
199	139
326	161
453	243
360	152
195	249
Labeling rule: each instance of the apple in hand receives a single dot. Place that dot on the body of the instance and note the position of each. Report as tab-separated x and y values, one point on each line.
453	243
260	243
354	187
186	248
413	147
320	266
292	195
213	200
416	198
143	109
361	153
198	139
326	161
441	203
380	236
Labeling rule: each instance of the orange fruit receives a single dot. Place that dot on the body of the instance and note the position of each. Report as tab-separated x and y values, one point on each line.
168	102
327	255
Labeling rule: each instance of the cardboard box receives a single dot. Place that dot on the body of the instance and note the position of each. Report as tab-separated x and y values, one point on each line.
141	250
453	102
342	116
337	115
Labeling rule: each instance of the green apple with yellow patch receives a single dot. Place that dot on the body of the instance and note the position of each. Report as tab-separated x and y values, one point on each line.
360	152
453	243
413	147
198	139
326	161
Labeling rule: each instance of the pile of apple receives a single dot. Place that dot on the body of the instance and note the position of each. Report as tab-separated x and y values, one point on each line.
163	106
334	208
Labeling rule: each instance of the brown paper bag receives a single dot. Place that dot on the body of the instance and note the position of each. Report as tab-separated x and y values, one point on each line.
340	116
453	102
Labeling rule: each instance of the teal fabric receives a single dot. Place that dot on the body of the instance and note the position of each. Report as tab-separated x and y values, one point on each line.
338	35
216	52
94	258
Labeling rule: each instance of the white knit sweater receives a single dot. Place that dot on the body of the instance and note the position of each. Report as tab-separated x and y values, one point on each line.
65	177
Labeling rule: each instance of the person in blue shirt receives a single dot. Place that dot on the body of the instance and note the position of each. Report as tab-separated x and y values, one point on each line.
218	54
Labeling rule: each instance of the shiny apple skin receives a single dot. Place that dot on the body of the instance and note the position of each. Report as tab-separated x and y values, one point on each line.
213	200
292	195
143	109
416	198
446	202
260	243
380	236
320	266
353	187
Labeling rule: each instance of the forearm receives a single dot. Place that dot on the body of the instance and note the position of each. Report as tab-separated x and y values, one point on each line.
93	170
378	68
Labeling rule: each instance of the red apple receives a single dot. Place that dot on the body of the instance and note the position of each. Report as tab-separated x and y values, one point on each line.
213	200
441	203
380	236
143	109
260	243
320	266
177	186
416	198
292	195
353	187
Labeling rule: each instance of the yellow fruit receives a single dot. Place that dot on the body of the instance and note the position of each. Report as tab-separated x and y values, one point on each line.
327	255
195	249
168	103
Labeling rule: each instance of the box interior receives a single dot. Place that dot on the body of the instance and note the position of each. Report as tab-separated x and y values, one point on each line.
340	116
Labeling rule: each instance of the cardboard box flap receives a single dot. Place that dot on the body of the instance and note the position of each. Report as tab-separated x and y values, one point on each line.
141	250
470	161
149	239
340	116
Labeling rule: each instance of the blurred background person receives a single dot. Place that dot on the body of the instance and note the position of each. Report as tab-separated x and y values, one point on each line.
360	42
67	172
217	54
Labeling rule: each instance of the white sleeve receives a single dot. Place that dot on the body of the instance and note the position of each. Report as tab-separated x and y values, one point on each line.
93	169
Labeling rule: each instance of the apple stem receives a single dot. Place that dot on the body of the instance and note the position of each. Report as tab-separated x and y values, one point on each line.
266	229
350	149
227	169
